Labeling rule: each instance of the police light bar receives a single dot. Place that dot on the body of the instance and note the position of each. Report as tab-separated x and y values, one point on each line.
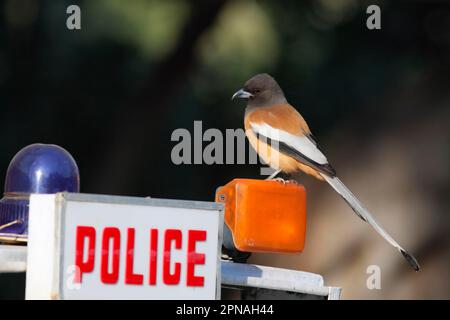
36	168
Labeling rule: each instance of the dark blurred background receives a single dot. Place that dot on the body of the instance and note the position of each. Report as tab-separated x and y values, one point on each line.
377	100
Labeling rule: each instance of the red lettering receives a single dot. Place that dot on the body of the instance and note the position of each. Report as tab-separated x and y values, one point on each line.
118	264
195	258
130	277
108	234
170	235
83	233
153	256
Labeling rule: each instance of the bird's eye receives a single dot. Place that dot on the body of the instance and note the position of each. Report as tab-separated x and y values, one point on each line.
256	91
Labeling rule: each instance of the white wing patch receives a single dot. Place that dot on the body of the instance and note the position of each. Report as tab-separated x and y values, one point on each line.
301	143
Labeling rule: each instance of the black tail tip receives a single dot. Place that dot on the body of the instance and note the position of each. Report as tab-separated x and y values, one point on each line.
411	260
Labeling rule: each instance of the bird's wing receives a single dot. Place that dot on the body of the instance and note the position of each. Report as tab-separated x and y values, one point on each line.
299	147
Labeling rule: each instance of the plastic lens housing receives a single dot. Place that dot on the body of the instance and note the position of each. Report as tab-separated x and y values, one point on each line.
265	216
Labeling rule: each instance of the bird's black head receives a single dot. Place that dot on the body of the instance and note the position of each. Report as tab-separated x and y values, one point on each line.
260	91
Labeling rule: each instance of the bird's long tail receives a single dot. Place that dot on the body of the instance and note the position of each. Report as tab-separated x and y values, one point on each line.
364	214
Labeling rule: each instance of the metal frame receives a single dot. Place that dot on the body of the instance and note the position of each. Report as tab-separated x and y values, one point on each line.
155	202
13	258
238	275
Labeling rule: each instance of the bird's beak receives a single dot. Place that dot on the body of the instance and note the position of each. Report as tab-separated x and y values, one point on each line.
242	94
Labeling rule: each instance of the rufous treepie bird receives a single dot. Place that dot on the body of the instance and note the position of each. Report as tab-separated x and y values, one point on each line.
282	138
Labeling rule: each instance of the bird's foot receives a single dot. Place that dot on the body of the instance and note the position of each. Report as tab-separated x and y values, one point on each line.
279	180
283	181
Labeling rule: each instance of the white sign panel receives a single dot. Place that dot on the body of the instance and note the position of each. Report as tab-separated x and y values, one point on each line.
106	247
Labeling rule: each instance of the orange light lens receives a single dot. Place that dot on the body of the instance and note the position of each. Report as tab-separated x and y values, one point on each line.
265	216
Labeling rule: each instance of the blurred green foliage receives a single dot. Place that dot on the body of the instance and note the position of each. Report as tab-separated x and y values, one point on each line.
74	88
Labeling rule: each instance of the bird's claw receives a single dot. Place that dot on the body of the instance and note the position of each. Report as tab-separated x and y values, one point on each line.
279	180
284	181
